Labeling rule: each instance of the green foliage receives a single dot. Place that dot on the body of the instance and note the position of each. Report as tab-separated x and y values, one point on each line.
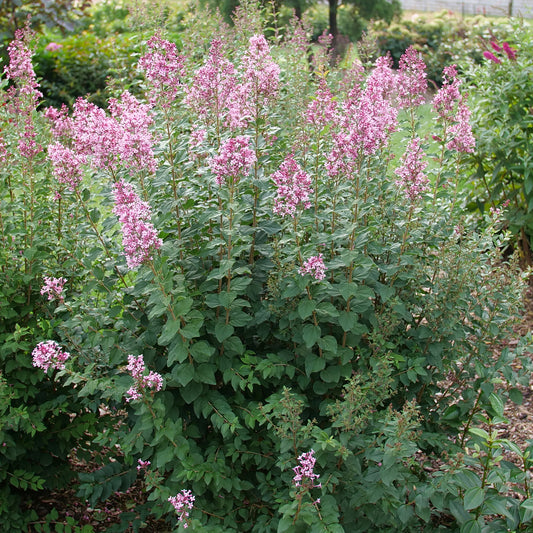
386	368
83	66
503	123
443	38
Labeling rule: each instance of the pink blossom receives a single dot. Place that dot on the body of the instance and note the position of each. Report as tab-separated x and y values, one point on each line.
20	68
511	52
321	111
496	46
491	56
411	171
66	165
183	502
294	188
303	473
62	124
134	145
315	267
235	159
142	465
49	354
260	71
211	92
461	131
163	67
3	151
53	47
139	237
53	287
136	368
446	98
412	82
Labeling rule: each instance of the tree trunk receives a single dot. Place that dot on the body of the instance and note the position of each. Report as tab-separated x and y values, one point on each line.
333	19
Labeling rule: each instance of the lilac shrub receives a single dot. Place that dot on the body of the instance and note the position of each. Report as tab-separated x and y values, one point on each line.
314	328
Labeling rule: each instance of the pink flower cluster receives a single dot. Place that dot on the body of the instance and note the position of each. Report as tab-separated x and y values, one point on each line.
20	68
411	171
53	47
315	267
260	71
235	159
152	380
49	354
214	93
142	465
509	52
294	188
163	67
303	473
412	79
217	93
321	111
183	502
139	237
452	109
367	118
53	287
66	165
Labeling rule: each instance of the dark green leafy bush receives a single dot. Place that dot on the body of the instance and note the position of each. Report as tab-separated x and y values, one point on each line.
243	334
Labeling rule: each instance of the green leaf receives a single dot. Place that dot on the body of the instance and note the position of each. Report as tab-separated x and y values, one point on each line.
311	334
473	498
472	526
479	433
178	351
306	308
516	396
313	363
223	331
201	351
527	504
206	373
497	404
191	391
184	373
169	331
347	320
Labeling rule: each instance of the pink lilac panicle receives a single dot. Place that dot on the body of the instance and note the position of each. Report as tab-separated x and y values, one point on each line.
139	237
260	71
20	68
461	131
163	67
53	287
234	160
411	171
322	110
294	188
136	368
66	165
412	82
315	267
211	91
135	143
446	99
496	46
49	354
53	47
183	502
62	124
303	473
